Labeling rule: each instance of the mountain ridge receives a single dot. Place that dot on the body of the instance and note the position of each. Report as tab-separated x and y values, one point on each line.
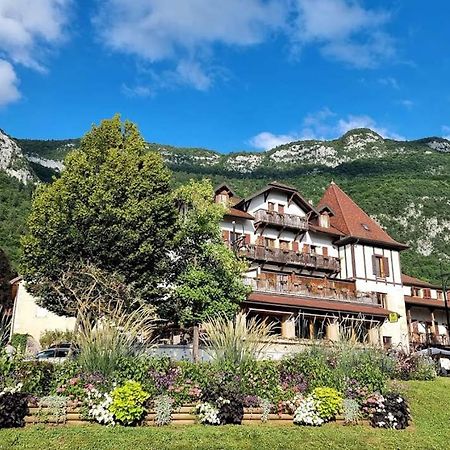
404	185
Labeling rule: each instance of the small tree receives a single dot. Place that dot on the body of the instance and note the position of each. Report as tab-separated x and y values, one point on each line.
111	208
208	275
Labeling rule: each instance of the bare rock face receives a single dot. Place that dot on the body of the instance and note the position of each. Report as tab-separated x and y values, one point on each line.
13	161
441	145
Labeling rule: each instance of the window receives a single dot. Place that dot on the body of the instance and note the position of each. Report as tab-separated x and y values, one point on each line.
427	293
314	249
440	295
416	292
284	245
365	226
269	242
325	251
381	299
222	198
306	248
271	206
311	327
324	220
281	209
387	342
380	266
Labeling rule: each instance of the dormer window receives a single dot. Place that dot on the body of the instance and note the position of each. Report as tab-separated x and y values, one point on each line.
222	197
324	220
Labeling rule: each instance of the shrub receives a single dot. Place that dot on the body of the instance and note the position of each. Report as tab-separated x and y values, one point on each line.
13	407
163	410
55	337
207	413
328	402
413	367
238	340
128	402
391	411
307	412
53	406
19	341
350	408
105	343
36	376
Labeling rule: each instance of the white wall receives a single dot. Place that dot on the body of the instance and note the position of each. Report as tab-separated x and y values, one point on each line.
30	318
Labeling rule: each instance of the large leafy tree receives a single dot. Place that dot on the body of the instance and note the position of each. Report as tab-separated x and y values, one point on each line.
111	208
208	275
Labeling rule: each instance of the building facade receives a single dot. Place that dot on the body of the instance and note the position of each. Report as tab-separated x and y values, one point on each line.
322	272
426	313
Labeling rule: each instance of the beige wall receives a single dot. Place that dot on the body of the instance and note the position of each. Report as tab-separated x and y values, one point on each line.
30	318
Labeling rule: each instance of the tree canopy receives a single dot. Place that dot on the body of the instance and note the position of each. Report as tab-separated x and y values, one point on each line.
207	274
111	208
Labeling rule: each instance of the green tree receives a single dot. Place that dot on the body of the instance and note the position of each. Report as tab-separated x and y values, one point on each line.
208	274
111	208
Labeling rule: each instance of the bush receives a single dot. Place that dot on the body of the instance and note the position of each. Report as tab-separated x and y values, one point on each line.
390	411
328	402
350	408
13	407
307	412
413	367
55	337
19	341
36	376
128	402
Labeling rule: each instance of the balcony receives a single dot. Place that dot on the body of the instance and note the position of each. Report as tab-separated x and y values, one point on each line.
291	258
282	285
281	220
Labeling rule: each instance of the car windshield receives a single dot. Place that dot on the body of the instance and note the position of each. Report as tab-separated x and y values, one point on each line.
46	354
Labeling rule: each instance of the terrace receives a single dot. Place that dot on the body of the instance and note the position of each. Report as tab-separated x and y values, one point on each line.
291	258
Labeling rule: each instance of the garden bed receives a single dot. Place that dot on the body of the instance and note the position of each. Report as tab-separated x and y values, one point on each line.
184	415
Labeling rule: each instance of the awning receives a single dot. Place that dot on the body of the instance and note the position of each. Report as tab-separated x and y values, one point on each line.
316	304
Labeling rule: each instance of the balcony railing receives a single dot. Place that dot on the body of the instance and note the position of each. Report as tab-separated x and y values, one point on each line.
326	293
281	219
290	257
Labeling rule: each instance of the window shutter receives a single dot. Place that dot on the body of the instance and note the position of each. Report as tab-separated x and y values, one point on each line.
305	248
295	246
375	266
259	240
386	267
247	239
225	235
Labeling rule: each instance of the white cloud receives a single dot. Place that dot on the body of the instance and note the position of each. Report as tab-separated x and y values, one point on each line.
267	140
446	132
28	28
408	104
9	91
389	81
321	125
136	91
344	30
185	33
28	31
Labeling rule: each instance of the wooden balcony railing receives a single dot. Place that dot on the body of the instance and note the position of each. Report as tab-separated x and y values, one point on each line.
281	286
281	219
292	258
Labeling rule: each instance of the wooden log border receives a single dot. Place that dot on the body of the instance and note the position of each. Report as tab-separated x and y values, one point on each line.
183	415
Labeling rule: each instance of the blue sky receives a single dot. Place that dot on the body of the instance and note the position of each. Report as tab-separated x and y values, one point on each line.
228	75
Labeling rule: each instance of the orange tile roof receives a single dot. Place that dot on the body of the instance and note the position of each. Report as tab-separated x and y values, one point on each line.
312	303
233	212
411	281
351	220
419	301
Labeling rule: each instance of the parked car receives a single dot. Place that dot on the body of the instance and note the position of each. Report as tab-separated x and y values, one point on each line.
55	354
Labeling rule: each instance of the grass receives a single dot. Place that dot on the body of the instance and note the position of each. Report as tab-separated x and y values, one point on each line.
430	430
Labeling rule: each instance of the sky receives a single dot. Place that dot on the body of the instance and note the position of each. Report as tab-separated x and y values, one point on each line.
227	75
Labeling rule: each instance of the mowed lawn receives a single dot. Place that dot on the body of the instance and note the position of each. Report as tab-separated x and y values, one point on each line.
430	404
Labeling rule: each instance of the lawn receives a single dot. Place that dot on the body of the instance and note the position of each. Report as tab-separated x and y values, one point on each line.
430	430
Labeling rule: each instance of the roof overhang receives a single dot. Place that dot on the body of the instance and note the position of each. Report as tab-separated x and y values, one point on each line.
427	302
383	244
316	304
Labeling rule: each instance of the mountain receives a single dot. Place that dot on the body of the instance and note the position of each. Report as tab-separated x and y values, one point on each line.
404	185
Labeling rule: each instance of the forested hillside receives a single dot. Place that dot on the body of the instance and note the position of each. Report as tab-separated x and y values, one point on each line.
405	185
